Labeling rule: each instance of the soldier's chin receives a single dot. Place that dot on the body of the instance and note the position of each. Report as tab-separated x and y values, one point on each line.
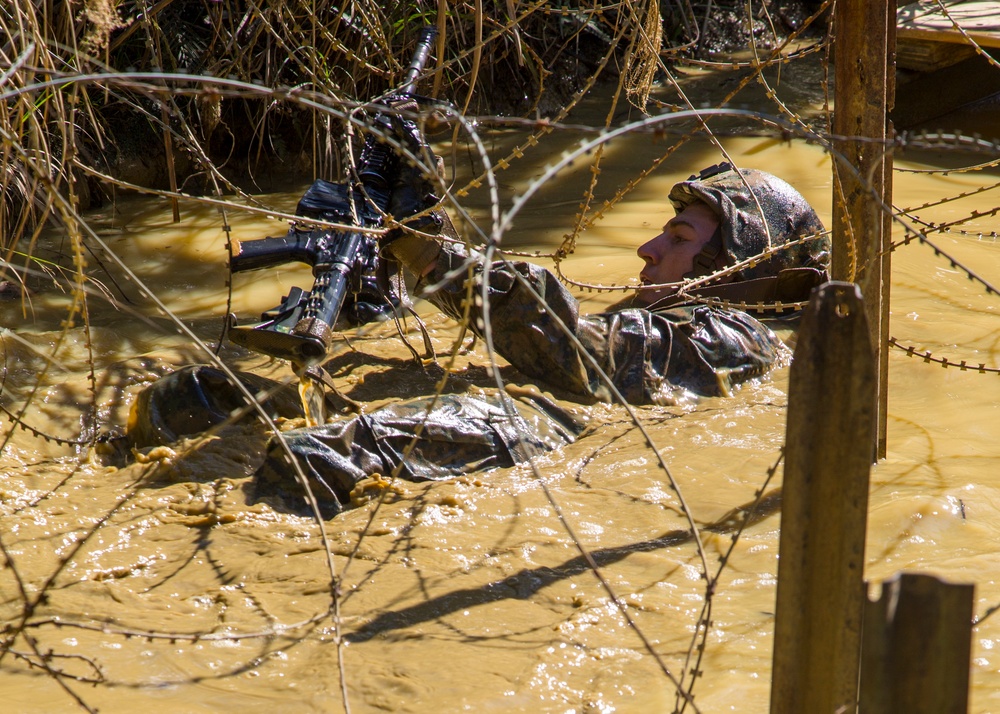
647	296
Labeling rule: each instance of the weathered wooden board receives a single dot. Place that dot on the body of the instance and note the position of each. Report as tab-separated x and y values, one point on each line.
925	20
916	647
930	96
952	73
828	455
928	55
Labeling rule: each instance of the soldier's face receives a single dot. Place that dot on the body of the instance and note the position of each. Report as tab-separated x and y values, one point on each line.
671	254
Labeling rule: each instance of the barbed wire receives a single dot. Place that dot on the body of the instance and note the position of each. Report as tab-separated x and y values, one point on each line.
928	356
35	614
966	36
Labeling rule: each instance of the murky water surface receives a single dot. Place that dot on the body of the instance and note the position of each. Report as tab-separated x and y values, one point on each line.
467	594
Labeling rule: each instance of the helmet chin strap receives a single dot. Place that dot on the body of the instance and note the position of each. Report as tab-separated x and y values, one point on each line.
705	262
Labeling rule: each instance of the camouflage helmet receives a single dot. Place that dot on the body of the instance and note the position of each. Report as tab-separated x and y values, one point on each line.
742	230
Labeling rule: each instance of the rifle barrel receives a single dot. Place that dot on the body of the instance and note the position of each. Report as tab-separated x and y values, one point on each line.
420	55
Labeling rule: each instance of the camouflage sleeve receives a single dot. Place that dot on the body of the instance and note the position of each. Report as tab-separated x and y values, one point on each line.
650	357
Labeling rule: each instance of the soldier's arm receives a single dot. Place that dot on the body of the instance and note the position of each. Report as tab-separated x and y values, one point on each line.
651	357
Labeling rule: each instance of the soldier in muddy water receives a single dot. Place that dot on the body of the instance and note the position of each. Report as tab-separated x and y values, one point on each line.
753	232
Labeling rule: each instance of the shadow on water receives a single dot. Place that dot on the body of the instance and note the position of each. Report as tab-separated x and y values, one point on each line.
527	583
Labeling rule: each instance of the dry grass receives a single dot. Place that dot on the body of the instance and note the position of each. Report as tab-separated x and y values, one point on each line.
222	94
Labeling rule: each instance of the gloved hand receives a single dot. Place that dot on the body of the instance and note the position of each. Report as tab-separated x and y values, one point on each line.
412	202
412	188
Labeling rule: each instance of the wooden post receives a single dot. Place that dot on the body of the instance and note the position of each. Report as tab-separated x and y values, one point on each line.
864	87
917	647
824	507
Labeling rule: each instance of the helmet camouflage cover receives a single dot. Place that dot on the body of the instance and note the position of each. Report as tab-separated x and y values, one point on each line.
747	230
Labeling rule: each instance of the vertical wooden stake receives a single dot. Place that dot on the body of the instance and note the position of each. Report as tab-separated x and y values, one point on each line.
864	81
917	647
824	507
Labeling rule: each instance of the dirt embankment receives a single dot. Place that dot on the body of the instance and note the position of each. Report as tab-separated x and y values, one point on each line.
533	66
193	135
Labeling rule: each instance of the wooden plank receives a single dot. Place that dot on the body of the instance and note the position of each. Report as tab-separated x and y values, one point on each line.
924	21
972	15
928	56
821	594
917	647
863	93
951	87
874	692
944	36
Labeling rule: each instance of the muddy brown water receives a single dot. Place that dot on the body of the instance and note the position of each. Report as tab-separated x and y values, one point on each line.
470	594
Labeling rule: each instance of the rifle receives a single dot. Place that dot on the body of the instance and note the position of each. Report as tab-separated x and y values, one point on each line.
301	328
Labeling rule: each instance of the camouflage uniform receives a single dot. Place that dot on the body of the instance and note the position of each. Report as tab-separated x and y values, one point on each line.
447	436
650	355
451	434
655	357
